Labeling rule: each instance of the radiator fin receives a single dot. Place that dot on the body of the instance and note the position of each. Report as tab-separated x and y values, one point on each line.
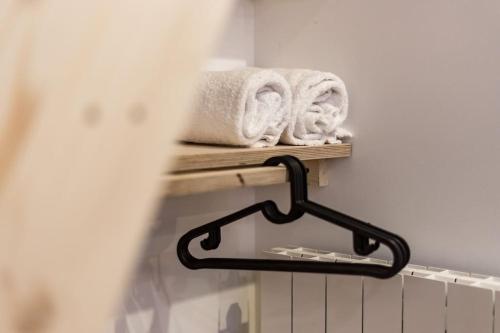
419	299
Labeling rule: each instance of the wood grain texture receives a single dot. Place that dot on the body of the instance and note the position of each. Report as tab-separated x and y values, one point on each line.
217	180
196	157
317	172
104	90
207	168
193	182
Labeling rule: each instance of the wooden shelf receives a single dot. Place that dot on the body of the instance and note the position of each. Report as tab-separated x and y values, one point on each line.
204	168
198	157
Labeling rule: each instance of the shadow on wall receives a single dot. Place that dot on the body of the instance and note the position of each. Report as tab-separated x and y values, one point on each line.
164	296
234	321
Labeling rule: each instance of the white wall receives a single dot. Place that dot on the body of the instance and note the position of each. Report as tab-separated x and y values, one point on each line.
236	47
424	83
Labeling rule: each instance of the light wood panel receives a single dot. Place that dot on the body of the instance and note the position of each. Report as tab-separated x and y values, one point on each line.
206	168
209	181
92	95
196	157
188	183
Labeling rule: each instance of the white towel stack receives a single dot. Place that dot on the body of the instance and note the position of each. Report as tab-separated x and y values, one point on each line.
319	107
257	108
248	107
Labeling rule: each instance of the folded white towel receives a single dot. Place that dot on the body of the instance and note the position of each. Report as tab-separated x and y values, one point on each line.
319	107
247	107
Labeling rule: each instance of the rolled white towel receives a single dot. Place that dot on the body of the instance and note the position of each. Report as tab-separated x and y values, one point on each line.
319	107
247	107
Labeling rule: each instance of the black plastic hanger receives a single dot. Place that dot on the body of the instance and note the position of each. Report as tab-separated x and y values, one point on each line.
363	233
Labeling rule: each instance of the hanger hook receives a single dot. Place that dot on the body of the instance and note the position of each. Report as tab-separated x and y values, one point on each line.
362	245
297	175
212	241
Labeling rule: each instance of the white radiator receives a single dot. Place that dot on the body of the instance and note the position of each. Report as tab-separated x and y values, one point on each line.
418	300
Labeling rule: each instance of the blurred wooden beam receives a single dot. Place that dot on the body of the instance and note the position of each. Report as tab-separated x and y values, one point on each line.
92	94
